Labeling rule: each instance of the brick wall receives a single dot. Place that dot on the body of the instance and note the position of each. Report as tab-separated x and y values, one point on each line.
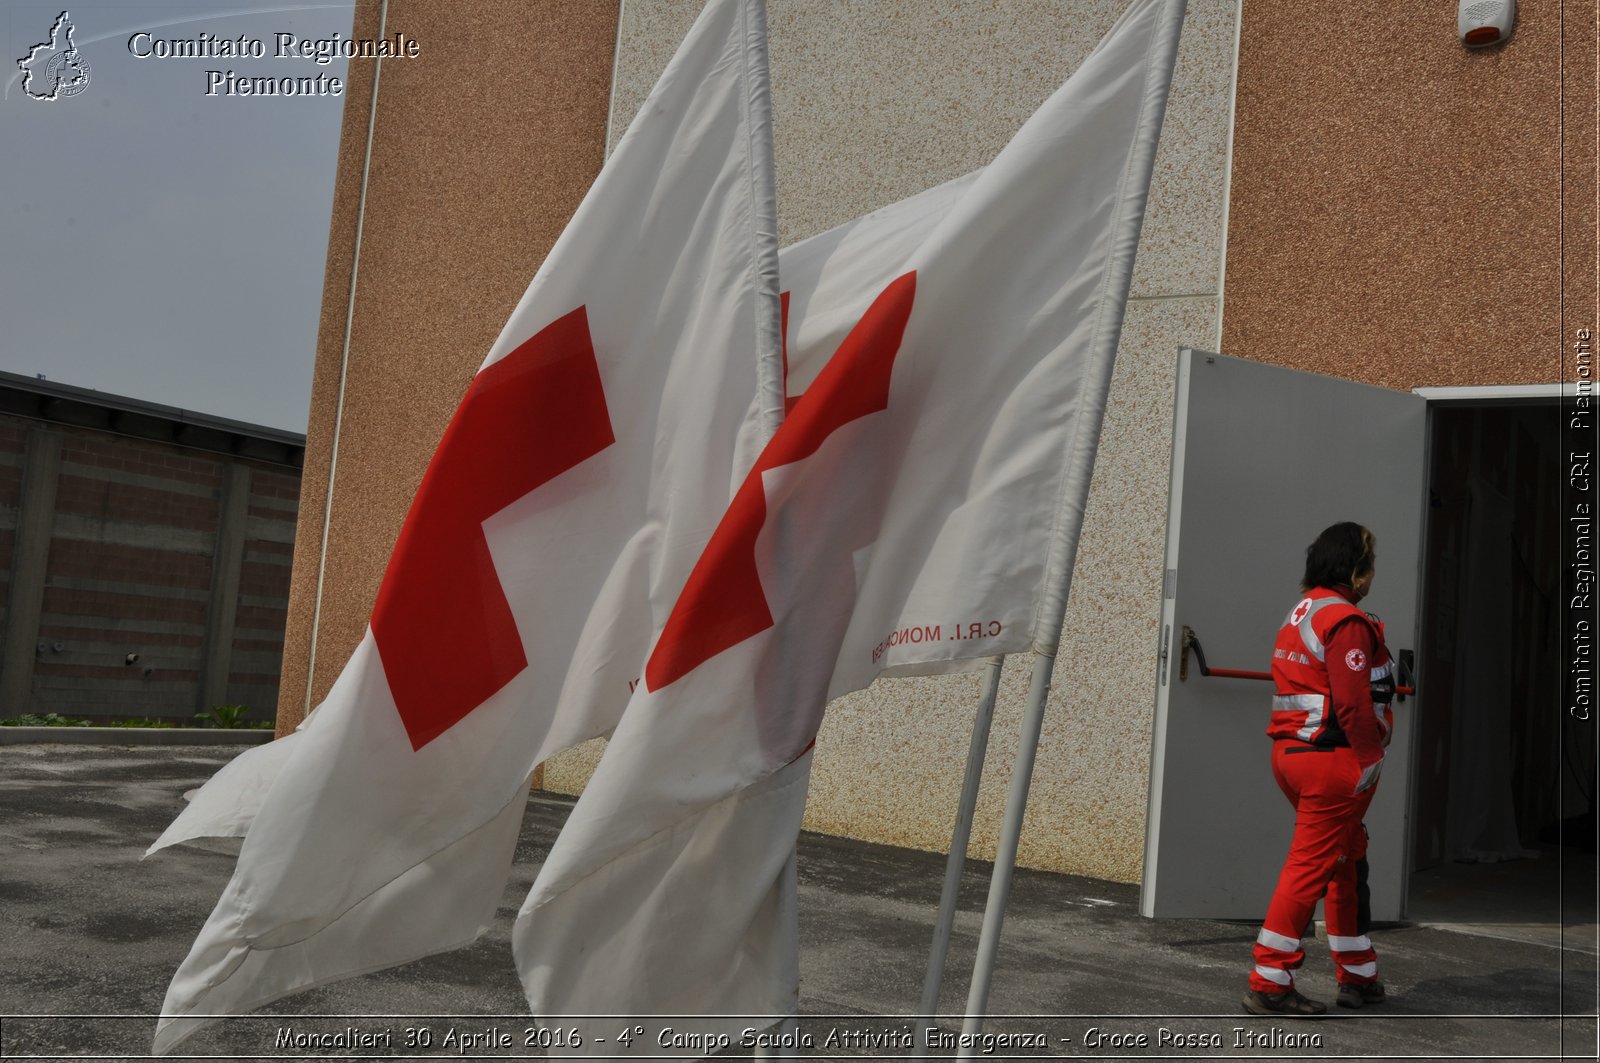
13	437
140	536
263	591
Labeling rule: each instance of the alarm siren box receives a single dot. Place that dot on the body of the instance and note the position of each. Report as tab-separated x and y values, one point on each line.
1482	23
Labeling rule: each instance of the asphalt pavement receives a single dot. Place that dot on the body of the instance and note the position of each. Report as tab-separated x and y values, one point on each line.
90	936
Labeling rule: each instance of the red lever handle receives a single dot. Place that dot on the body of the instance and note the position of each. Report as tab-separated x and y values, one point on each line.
1190	642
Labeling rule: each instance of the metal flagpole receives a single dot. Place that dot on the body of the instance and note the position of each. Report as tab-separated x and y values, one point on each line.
771	387
1006	857
1101	353
959	838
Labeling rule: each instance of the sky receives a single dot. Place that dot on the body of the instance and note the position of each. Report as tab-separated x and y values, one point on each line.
161	243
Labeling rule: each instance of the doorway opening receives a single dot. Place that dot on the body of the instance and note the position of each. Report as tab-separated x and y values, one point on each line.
1503	825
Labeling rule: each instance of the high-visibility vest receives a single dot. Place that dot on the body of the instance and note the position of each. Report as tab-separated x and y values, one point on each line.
1301	705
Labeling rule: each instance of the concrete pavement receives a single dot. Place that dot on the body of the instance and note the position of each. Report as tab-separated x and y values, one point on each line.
91	934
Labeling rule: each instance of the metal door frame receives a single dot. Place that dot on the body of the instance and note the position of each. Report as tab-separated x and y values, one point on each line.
1167	644
1499	395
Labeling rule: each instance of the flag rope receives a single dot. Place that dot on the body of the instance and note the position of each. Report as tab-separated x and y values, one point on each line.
306	707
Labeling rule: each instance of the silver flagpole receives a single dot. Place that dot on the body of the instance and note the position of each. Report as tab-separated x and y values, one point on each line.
959	838
770	383
1006	857
1101	354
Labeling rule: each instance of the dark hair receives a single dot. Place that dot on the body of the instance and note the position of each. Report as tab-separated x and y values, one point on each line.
1341	555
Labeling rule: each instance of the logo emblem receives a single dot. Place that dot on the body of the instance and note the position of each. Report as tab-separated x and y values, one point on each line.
1300	612
1356	659
55	68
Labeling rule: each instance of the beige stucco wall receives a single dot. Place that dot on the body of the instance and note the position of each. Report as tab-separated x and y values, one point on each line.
875	100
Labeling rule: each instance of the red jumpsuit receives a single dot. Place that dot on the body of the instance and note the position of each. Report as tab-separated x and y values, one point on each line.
1327	750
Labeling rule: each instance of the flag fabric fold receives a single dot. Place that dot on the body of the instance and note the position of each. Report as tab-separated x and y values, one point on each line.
226	805
574	489
919	508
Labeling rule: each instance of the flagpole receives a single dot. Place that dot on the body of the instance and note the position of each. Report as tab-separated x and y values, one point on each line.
1006	857
771	398
770	382
1079	464
959	837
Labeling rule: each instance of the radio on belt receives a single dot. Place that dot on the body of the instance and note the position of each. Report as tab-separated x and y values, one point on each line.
1482	23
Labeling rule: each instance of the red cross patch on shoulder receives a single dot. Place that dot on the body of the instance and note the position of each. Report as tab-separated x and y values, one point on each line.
1300	611
1356	659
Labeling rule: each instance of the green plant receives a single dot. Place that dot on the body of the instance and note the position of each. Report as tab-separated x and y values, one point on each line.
49	719
225	716
140	721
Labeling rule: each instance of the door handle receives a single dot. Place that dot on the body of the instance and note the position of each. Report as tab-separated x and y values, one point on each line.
1192	642
1405	675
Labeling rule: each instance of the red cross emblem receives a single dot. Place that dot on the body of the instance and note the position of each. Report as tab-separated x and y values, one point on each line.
1300	611
723	602
443	627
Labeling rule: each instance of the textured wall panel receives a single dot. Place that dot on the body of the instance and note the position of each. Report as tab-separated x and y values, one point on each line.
875	100
1580	191
483	148
1396	205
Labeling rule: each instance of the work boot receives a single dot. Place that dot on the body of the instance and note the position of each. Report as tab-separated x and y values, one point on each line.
1288	1003
1357	996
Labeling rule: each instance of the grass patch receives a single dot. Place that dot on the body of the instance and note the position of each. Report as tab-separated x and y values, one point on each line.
55	719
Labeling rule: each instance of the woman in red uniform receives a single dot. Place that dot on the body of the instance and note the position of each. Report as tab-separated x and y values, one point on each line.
1329	731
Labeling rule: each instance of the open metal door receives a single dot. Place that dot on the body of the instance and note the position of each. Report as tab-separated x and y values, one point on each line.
1263	459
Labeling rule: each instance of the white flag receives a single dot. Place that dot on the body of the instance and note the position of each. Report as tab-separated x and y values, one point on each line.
919	506
829	282
573	491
